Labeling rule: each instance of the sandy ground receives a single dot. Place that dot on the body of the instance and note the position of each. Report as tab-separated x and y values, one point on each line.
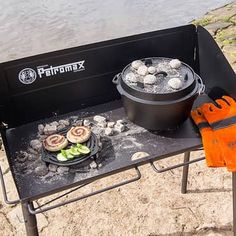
153	205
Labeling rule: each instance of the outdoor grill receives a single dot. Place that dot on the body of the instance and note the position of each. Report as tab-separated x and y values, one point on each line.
76	84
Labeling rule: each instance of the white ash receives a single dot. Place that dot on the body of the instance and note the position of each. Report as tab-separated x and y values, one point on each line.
41	169
175	83
33	157
93	165
41	128
99	165
23	156
62	169
175	63
142	70
150	79
98	118
50	129
109	131
110	124
87	122
36	145
136	64
131	77
52	167
152	69
64	122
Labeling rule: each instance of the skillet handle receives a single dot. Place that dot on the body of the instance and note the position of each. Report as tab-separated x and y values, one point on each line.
116	79
4	191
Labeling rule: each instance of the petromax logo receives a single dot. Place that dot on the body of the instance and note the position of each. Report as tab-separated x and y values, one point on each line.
28	75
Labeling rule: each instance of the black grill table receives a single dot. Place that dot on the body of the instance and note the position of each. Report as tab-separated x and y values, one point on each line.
29	96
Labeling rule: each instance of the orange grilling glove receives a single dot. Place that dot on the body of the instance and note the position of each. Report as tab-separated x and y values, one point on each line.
222	119
209	140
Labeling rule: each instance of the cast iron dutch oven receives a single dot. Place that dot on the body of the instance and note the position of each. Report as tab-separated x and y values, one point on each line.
159	111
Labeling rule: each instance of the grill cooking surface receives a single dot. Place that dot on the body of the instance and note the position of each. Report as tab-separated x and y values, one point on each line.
115	155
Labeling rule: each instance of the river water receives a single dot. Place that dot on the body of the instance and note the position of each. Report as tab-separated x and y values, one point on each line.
32	27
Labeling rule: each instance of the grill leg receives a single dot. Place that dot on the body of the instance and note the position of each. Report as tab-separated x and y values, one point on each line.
234	201
185	173
30	221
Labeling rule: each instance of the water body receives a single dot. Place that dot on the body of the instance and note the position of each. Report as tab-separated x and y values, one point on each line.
32	27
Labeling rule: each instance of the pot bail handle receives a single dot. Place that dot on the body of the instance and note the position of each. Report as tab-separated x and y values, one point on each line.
116	79
202	87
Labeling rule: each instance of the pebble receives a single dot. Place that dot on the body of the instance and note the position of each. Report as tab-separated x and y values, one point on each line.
131	77
50	129
41	128
87	123
152	69
36	145
175	83
62	169
109	131
142	70
52	168
150	79
64	122
41	170
175	63
93	165
119	128
99	118
136	64
110	124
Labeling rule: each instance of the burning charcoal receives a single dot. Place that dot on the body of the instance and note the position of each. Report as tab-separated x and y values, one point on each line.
99	118
175	83
32	151
136	64
93	165
102	124
152	69
52	168
150	79
119	128
78	122
41	170
131	77
87	122
54	123
142	70
22	157
109	131
50	129
60	127
175	63
40	128
36	145
110	124
121	122
62	169
64	122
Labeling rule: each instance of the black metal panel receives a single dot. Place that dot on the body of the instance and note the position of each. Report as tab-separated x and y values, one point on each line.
53	92
115	155
216	72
